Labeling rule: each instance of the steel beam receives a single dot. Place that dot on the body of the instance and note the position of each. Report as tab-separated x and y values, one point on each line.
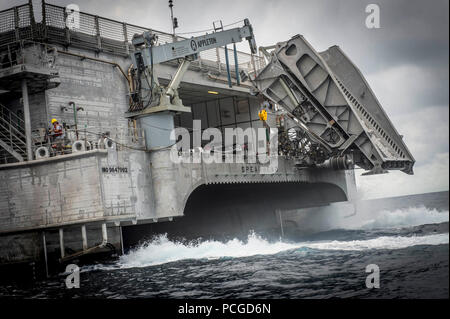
61	242
104	234
27	119
44	244
84	236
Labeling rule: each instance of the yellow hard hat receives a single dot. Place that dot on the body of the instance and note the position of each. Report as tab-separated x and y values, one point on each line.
54	120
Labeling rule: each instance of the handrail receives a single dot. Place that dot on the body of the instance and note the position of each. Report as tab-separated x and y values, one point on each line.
14	145
19	129
19	149
107	34
5	128
16	118
11	133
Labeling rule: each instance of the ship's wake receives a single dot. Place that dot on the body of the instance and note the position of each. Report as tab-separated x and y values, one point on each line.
161	249
389	218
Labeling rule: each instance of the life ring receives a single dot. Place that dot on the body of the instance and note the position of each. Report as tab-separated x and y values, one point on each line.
109	144
42	152
78	146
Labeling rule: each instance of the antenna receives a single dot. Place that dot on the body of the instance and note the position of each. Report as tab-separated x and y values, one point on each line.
174	20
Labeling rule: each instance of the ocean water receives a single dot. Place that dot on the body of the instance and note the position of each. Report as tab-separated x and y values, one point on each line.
409	245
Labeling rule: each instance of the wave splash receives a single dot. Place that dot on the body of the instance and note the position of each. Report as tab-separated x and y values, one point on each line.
161	250
413	216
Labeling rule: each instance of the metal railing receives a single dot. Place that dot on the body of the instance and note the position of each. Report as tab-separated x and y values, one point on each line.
12	133
14	53
113	36
13	140
99	34
119	139
17	23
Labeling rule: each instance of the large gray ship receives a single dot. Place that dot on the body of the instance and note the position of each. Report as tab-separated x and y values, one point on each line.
118	90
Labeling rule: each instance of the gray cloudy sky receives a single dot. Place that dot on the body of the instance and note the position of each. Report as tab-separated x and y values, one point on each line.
406	61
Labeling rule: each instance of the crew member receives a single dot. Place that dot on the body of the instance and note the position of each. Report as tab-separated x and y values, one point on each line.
266	105
57	134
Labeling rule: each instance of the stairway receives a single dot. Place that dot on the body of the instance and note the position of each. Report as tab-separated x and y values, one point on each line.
12	137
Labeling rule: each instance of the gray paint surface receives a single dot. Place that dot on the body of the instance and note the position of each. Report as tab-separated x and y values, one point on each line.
121	185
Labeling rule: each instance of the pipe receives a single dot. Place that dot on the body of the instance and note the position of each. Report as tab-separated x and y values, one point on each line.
98	60
338	163
129	78
236	64
75	117
228	67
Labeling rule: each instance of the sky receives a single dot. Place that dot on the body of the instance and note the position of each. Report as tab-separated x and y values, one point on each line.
405	61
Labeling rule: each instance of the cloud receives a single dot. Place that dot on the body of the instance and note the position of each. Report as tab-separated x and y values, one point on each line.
405	88
405	61
407	93
427	131
431	177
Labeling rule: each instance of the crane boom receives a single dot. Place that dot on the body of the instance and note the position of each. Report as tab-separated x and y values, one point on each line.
148	93
193	46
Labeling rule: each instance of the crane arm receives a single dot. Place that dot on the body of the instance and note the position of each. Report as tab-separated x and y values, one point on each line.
193	46
147	54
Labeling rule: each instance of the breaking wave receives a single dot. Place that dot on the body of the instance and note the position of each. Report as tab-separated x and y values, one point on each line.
413	216
161	250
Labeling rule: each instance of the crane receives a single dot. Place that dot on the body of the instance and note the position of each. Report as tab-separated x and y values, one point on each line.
149	94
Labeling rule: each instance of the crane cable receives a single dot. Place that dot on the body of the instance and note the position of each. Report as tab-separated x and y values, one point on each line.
211	29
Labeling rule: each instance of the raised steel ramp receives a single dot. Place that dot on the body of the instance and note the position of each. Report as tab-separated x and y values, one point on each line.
328	95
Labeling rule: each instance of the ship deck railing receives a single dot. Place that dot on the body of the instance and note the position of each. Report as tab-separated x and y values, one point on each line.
103	35
45	146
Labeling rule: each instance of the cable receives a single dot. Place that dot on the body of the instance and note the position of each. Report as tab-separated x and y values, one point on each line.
227	25
211	29
194	32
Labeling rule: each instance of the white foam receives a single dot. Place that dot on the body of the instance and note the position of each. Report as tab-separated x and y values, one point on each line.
337	217
384	242
409	217
162	250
